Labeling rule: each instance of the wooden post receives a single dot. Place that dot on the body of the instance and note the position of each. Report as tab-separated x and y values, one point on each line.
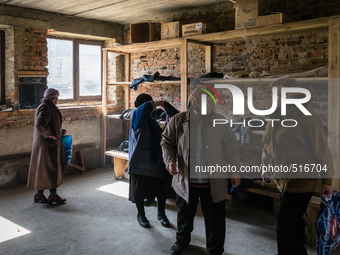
127	93
104	108
119	167
334	97
127	78
208	59
184	74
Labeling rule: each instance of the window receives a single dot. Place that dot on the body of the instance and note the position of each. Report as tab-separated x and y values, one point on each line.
59	68
2	67
75	68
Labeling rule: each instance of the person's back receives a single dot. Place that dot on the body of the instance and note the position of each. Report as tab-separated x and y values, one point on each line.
146	167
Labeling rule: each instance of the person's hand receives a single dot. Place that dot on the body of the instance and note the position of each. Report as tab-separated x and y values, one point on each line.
327	189
64	131
265	178
160	103
235	180
173	169
52	137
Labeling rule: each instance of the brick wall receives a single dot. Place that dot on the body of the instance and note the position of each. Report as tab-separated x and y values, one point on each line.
9	66
26	117
296	52
35	54
306	9
293	53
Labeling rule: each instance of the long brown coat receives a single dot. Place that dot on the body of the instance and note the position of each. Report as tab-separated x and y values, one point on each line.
48	156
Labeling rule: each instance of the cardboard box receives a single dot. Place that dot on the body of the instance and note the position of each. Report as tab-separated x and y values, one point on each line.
271	19
247	12
171	30
197	29
143	32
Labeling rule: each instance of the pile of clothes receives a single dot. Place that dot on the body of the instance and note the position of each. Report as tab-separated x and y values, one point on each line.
151	78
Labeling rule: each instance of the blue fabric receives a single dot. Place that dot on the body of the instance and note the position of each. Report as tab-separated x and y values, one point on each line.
151	78
245	183
135	83
141	114
327	224
67	143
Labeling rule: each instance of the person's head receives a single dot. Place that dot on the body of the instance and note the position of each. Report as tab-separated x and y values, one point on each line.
142	98
284	82
52	95
195	101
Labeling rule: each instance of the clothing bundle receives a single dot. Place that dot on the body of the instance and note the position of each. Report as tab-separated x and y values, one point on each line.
151	78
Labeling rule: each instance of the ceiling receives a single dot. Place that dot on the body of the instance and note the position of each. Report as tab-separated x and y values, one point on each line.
119	11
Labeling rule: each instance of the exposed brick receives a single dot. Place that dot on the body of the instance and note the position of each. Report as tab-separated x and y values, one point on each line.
324	7
283	61
298	49
320	40
321	60
40	31
293	43
36	58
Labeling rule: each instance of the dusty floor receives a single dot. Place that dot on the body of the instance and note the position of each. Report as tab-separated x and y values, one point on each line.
98	219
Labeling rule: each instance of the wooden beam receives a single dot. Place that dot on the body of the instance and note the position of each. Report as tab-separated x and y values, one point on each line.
334	97
208	59
196	42
104	109
127	94
184	75
127	67
148	46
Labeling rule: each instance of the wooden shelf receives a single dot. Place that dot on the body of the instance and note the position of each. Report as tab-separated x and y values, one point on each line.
250	80
121	83
113	116
231	35
145	82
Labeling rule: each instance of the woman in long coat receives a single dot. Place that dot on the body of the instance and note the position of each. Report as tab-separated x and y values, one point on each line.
48	157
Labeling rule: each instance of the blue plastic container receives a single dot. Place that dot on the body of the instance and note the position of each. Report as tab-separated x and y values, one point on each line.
67	143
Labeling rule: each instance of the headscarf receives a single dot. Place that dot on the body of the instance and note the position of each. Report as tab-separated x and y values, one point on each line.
142	98
50	93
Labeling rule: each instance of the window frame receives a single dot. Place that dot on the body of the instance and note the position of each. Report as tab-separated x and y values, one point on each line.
3	68
76	95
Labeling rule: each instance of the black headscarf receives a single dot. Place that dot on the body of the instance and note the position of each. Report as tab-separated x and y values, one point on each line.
142	98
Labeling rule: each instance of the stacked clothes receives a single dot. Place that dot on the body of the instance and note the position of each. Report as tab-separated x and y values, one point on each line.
151	78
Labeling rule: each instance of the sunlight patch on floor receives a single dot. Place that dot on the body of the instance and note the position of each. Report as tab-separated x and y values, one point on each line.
9	230
118	188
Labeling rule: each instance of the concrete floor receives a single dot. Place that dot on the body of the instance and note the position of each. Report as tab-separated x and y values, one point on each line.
98	219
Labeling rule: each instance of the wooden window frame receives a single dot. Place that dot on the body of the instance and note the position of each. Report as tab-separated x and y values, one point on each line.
3	66
76	43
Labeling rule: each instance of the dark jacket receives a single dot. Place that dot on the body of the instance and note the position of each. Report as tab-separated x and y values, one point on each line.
47	158
145	154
